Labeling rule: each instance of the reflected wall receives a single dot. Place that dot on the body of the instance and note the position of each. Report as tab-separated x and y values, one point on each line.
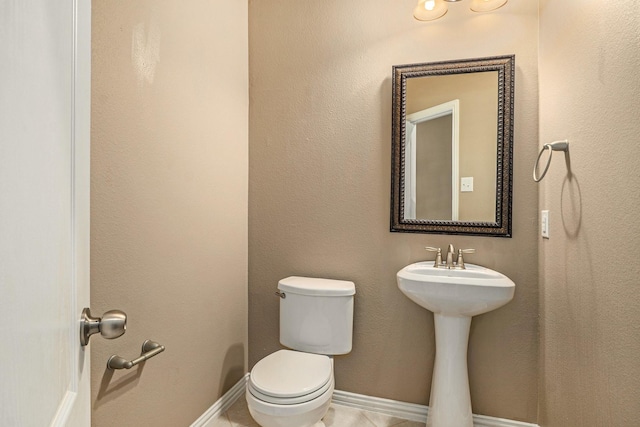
477	95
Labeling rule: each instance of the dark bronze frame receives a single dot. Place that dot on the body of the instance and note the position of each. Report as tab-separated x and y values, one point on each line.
505	66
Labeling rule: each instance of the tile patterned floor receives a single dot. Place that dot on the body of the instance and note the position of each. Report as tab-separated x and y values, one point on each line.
337	416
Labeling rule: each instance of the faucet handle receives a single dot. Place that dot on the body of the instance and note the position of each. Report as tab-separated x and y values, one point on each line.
438	261
460	262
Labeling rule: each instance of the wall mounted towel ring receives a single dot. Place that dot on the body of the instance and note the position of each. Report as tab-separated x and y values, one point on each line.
554	146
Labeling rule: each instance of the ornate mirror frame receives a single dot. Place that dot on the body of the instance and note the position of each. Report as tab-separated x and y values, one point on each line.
505	66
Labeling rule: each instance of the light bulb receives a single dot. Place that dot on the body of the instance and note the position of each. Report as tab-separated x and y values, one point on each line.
428	10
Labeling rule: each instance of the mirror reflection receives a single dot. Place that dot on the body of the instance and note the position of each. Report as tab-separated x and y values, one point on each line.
450	142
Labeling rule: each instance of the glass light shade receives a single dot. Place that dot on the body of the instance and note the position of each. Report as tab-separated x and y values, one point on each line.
428	10
486	5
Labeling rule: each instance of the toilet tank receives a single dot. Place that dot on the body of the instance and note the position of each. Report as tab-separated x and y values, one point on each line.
316	315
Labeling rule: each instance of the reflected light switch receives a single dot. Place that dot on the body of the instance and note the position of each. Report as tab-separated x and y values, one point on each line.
466	184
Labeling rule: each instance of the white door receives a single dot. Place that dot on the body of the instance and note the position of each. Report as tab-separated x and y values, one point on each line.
45	48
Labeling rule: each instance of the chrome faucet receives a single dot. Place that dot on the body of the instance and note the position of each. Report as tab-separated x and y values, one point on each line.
449	263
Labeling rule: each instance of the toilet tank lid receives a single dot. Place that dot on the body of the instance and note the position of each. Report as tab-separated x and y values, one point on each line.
316	286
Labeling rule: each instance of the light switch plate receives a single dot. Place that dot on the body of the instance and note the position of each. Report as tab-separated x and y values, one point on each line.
466	184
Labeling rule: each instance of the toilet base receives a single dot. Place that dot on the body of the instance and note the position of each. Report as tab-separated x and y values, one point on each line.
297	420
308	414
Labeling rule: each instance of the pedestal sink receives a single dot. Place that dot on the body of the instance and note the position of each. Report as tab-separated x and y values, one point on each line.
454	296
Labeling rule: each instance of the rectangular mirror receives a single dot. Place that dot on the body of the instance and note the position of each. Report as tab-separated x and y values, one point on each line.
452	147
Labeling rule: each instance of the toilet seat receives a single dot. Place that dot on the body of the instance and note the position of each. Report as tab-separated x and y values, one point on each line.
290	377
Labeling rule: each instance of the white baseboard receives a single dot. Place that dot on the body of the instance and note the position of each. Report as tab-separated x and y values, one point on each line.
394	408
220	407
484	421
411	411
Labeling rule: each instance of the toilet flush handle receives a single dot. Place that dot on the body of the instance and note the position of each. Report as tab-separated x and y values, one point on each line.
281	294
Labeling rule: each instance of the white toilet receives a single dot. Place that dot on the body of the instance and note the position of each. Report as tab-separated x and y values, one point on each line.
294	388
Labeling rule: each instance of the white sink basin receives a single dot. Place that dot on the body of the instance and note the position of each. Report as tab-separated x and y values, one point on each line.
453	296
469	292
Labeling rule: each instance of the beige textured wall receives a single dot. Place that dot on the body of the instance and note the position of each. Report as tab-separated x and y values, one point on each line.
319	185
169	204
590	299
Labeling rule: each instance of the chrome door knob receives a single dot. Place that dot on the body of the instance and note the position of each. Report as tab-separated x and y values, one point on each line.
111	325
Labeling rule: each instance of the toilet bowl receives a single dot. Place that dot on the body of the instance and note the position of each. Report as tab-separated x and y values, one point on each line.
294	387
290	389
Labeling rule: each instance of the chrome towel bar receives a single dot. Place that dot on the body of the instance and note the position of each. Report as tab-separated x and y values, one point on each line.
149	349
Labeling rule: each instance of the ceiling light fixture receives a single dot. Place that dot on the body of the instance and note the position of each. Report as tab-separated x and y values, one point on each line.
486	5
428	10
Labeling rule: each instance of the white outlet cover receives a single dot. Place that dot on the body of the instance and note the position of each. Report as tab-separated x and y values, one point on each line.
544	224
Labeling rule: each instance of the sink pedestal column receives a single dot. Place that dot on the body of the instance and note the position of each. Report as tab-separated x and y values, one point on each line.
450	402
